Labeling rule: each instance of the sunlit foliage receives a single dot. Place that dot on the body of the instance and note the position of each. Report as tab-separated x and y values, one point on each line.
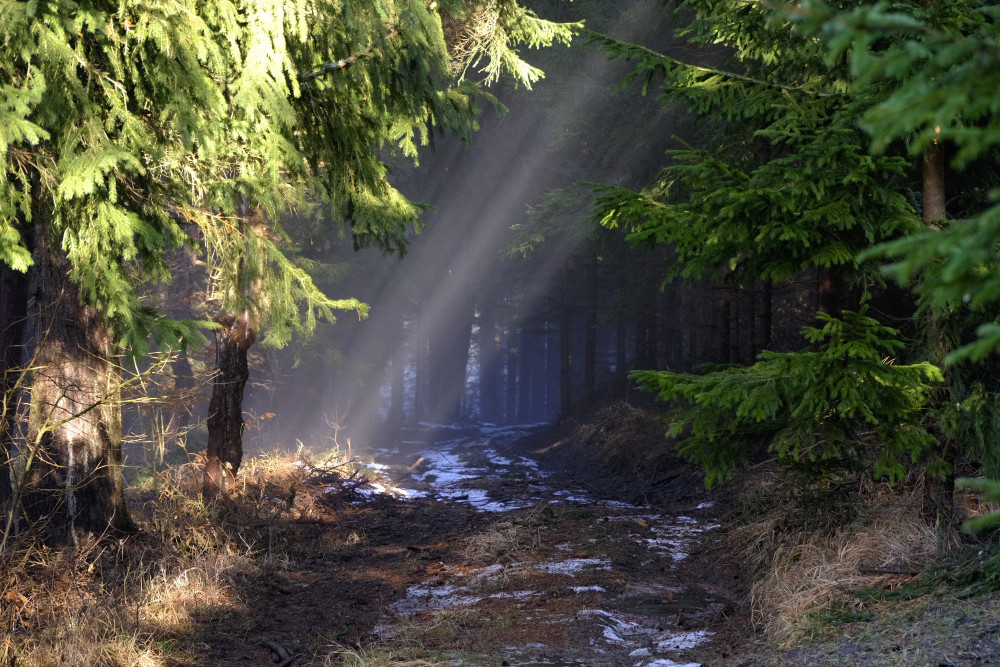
842	405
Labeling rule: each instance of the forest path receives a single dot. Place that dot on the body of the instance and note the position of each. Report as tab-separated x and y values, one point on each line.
475	553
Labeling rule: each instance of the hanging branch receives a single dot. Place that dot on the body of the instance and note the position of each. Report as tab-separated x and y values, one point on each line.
343	63
619	47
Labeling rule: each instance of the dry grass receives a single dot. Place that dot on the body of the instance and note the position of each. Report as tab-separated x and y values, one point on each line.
502	542
138	602
347	657
812	569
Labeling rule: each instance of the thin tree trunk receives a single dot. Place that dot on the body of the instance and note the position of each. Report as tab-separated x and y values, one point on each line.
72	479
510	389
765	315
224	452
733	331
449	358
490	366
939	492
553	370
830	290
13	324
421	356
524	372
590	334
565	355
537	360
396	374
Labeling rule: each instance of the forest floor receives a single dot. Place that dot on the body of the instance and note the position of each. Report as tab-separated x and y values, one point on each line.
585	549
585	546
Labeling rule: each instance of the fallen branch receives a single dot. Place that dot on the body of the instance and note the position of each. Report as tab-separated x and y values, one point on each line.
280	653
888	570
360	483
414	466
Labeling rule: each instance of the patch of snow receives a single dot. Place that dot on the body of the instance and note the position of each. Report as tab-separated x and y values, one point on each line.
611	635
515	594
615	503
683	640
496	459
574	565
705	506
584	589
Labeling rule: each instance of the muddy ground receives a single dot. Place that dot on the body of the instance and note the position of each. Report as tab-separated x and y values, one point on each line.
530	547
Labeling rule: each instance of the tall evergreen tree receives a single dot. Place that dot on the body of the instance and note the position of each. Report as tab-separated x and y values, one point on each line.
786	183
130	129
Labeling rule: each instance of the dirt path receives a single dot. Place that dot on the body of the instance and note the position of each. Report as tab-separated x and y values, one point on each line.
481	555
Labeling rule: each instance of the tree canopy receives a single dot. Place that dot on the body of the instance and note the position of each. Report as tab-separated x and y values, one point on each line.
127	125
782	178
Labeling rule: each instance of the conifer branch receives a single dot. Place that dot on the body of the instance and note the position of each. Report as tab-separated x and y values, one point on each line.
630	48
344	63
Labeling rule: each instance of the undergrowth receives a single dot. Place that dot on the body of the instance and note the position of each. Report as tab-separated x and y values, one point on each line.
139	601
825	556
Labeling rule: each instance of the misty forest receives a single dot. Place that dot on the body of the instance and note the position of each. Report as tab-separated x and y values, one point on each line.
500	332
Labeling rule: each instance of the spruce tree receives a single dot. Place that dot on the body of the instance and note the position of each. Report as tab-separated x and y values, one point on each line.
934	63
784	182
130	129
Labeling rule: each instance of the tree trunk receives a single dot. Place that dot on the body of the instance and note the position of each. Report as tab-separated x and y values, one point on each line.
524	381
939	492
590	335
830	290
765	315
397	379
490	363
13	322
645	330
621	338
553	370
538	363
733	330
510	388
565	354
421	358
449	357
224	453
72	466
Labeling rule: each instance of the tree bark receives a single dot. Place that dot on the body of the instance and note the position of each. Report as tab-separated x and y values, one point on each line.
590	334
830	290
224	452
524	380
449	358
510	388
490	366
397	379
765	315
733	330
565	354
939	492
72	478
13	322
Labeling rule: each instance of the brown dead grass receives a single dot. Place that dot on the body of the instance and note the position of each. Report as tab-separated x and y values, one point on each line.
347	657
502	542
811	569
138	602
